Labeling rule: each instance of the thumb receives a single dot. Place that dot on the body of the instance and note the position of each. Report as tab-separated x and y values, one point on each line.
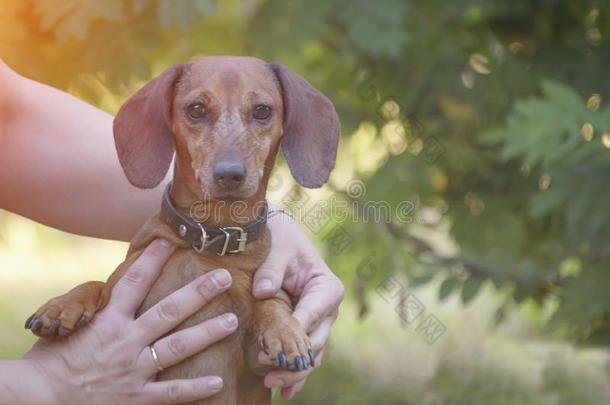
269	277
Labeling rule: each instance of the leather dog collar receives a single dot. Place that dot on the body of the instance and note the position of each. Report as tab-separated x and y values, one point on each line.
220	240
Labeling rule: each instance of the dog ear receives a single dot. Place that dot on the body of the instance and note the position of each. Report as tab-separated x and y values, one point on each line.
311	129
142	130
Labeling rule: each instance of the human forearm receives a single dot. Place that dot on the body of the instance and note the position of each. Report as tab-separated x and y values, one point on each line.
22	383
59	165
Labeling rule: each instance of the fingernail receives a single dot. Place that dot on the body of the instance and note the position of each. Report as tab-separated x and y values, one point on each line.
263	285
221	278
215	383
279	383
229	320
164	243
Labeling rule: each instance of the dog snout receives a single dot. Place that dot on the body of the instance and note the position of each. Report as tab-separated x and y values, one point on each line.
229	175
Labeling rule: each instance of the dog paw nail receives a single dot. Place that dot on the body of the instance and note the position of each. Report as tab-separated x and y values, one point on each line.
311	360
36	323
52	329
298	362
301	363
263	345
282	360
28	323
83	320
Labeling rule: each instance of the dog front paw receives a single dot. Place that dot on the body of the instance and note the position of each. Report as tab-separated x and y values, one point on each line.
287	345
63	315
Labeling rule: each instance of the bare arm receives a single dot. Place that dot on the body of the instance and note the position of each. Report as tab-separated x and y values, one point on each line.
58	165
12	389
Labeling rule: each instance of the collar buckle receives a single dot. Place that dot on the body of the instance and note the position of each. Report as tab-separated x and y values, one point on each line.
204	237
241	240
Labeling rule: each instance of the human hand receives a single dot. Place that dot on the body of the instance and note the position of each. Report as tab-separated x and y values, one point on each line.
110	360
295	265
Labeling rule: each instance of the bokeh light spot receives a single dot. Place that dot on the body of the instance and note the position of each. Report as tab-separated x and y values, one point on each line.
587	131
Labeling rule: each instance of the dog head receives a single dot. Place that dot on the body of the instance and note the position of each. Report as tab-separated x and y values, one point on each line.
225	117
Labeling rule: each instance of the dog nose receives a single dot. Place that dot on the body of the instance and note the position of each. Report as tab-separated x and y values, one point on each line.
229	174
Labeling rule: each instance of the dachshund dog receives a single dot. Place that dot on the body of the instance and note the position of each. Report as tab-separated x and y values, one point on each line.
225	118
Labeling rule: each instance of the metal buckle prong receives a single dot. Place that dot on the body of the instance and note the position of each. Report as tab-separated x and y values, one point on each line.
241	241
204	237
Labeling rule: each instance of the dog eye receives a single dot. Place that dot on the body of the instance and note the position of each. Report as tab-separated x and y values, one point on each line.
195	110
261	112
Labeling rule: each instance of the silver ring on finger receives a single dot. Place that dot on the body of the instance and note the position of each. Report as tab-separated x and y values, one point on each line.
155	358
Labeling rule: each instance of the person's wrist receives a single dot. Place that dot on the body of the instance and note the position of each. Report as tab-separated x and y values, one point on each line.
44	384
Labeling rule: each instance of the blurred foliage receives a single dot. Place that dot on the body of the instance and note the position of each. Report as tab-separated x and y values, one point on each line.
488	116
470	366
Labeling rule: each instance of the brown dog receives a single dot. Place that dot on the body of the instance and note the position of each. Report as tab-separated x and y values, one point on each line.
225	117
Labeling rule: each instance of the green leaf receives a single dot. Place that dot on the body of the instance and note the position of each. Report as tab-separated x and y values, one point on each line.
470	289
294	22
447	286
494	237
377	31
585	303
418	280
546	201
543	129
